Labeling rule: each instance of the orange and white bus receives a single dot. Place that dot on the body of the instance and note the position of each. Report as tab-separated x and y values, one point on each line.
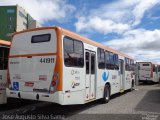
148	72
56	65
4	52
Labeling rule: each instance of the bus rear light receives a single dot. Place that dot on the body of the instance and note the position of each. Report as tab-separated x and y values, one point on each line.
55	77
53	83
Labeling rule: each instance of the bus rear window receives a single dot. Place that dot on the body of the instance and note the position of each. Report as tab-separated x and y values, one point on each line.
145	64
41	38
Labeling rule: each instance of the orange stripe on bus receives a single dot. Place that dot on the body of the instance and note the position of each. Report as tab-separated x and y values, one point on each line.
27	55
59	63
4	42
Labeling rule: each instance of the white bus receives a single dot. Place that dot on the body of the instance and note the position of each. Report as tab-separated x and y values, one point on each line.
4	52
148	72
55	65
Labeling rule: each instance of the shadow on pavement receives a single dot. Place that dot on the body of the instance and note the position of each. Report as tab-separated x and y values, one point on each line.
150	102
148	83
52	108
15	103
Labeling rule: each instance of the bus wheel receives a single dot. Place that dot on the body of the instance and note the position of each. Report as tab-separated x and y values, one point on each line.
106	96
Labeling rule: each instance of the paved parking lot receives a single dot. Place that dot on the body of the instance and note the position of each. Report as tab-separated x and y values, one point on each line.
142	103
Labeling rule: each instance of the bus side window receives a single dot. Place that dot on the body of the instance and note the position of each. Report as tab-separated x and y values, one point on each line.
4	52
116	61
111	59
101	58
132	64
154	68
126	64
73	53
158	68
107	62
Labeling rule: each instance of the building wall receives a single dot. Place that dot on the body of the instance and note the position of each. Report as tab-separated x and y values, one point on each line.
33	24
7	21
21	19
14	19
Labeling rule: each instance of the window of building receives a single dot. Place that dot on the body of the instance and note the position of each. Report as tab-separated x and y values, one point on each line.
22	15
25	24
10	11
101	58
9	26
73	52
11	18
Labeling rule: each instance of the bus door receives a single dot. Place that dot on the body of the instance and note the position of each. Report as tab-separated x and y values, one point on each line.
121	71
90	75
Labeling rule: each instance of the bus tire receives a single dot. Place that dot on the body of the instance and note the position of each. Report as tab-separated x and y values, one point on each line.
106	95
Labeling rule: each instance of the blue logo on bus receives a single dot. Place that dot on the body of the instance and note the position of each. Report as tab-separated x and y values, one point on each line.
105	76
16	86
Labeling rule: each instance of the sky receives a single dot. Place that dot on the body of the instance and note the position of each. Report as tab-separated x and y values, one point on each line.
131	26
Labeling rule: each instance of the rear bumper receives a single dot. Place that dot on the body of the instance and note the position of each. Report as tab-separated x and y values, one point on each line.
56	97
148	80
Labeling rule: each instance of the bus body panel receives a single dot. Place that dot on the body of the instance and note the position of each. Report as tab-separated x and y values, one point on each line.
27	71
148	71
128	80
26	46
57	97
145	71
32	63
155	77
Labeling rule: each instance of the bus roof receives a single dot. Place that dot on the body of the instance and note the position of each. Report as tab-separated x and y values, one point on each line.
150	62
94	43
77	36
3	42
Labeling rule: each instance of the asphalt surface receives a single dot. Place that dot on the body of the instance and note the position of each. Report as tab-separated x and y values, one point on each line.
143	103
